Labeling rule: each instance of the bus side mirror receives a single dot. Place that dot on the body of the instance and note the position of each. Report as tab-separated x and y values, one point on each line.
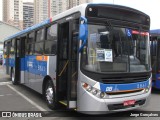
83	32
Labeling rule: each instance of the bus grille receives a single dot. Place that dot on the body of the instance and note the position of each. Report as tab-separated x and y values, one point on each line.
120	80
124	92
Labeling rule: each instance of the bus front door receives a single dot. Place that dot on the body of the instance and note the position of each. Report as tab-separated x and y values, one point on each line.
67	64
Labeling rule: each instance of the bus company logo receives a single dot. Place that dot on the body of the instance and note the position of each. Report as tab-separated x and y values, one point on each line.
6	114
109	88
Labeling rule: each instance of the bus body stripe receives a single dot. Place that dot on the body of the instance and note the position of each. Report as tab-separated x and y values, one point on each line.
123	87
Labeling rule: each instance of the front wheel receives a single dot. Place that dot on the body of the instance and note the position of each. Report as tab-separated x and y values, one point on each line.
50	95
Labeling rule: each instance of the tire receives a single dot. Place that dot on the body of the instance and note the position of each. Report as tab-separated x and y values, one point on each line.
14	82
50	95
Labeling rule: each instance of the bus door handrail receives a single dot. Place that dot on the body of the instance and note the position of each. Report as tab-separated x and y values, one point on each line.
63	68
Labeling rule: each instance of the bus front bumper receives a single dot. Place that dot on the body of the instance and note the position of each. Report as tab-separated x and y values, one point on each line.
90	104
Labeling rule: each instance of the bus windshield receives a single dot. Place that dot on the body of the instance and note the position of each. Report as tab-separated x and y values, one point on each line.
116	49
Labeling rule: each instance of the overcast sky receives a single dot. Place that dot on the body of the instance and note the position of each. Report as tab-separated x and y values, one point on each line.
150	7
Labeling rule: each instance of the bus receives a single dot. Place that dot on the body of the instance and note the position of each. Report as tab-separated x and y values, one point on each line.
155	57
93	58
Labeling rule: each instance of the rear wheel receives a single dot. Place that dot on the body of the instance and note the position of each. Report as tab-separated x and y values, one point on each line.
14	82
50	95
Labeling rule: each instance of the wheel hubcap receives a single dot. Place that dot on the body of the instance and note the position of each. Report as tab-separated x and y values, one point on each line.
49	94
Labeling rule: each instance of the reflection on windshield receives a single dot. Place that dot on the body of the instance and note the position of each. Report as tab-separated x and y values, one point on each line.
116	50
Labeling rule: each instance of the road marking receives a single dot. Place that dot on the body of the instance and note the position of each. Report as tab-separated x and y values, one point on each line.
26	98
9	94
5	95
5	83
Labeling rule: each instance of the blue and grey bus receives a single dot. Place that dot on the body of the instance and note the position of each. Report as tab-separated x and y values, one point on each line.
93	57
155	57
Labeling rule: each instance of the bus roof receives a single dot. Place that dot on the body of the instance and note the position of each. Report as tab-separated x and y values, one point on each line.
80	8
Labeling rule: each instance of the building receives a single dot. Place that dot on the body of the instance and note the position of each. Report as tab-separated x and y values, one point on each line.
42	10
72	3
58	6
6	30
13	12
28	14
1	10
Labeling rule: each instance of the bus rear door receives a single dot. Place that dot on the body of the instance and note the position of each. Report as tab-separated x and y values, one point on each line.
17	60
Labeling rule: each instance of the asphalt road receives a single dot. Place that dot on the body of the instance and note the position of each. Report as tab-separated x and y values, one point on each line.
20	98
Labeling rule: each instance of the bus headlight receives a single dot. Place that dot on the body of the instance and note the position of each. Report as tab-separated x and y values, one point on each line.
89	88
94	91
102	94
149	86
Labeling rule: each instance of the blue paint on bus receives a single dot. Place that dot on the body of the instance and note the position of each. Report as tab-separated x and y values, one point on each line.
123	87
22	66
156	83
47	21
35	66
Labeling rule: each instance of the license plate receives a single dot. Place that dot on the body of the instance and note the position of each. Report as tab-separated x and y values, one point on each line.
129	102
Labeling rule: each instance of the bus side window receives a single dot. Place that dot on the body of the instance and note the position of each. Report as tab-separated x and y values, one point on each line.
31	37
39	45
18	48
51	42
12	47
39	48
30	49
31	43
40	35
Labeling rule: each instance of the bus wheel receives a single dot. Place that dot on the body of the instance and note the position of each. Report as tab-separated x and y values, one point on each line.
50	95
14	82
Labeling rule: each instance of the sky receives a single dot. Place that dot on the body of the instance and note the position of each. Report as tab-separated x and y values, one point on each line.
150	7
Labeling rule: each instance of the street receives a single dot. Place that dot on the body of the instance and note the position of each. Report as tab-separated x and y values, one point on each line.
21	98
